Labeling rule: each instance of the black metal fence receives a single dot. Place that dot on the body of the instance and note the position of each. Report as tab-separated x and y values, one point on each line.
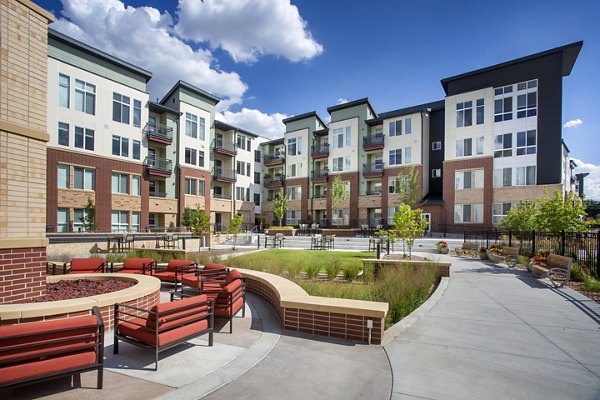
583	247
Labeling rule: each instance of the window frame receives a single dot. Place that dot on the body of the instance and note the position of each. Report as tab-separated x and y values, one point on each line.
62	88
122	106
87	94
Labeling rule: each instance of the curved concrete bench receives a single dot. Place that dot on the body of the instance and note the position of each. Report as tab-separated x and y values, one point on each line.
323	316
144	294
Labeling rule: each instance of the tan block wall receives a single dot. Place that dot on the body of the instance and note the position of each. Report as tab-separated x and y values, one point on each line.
194	201
74	198
319	204
468	196
514	194
217	205
126	202
164	206
368	202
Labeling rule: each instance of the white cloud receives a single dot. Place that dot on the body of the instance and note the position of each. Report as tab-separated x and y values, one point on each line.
247	29
145	37
591	183
342	100
267	125
574	123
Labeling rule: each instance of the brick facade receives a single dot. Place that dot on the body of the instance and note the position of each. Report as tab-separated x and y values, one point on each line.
22	274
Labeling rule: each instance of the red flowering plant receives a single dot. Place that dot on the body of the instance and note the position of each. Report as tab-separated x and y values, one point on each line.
442	244
496	249
541	257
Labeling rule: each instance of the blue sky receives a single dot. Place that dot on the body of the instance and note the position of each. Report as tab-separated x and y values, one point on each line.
268	59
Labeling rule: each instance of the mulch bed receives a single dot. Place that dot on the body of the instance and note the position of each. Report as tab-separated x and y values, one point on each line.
580	287
75	289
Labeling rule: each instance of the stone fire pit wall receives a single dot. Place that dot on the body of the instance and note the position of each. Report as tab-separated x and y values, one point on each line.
145	294
321	316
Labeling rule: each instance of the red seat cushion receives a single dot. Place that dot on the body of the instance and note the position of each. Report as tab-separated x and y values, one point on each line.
165	276
131	271
176	264
17	372
146	335
85	265
173	314
137	263
226	312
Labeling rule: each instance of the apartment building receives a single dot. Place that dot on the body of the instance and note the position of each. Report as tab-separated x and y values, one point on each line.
495	139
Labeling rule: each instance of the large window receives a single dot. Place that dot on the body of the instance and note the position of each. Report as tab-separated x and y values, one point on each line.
468	213
135	221
63	176
407	155
503	103
408	126
120	183
136	185
201	158
257	178
340	217
120	221
480	111
294	193
527	99
294	147
464	147
395	128
85	97
191	125
257	156
191	186
64	88
84	178
503	145
201	187
79	216
84	138
292	217
62	220
342	137
201	128
526	175
503	177
395	157
499	211
190	156
121	108
464	114
526	142
257	199
136	149
341	164
120	146
137	113
63	134
468	179
479	145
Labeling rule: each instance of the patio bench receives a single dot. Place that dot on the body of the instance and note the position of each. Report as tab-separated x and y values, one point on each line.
556	268
134	266
165	325
168	273
37	351
77	266
511	255
467	249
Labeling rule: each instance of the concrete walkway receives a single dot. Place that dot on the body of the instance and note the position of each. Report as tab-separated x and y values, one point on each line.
497	333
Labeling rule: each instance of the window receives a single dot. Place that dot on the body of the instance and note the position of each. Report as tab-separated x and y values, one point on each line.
79	216
248	143
464	114
503	105
395	157
84	138
248	169
408	126
294	193
135	221
190	186
468	213
407	155
499	211
120	183
340	217
479	141
62	220
257	199
526	175
239	167
135	185
121	108
85	97
190	156
338	138
120	146
464	147
201	158
294	147
468	179
137	113
436	173
390	216
526	142
341	164
503	177
64	90
503	145
63	176
292	217
84	178
239	142
395	128
480	111
63	134
257	178
257	156
479	178
136	150
239	193
436	145
120	221
503	90
201	187
191	125
527	102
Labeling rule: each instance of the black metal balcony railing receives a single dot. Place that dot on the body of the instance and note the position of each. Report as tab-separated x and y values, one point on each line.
222	196
159	166
372	169
319	195
273	159
320	174
274	182
374	192
159	133
373	142
224	174
225	147
320	151
157	194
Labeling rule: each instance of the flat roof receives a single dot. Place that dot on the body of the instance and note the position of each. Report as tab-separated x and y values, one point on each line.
364	100
272	142
304	116
156	107
569	53
227	127
433	106
194	89
61	37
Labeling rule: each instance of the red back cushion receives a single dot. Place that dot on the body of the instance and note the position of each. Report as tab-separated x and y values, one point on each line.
214	266
137	263
175	264
176	313
87	264
233	275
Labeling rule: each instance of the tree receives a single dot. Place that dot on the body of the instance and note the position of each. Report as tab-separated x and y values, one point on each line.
89	218
556	214
235	227
339	195
408	186
188	216
199	221
408	224
280	206
521	217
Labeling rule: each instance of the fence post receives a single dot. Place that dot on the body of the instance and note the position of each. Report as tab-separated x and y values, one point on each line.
563	244
258	242
378	251
533	243
387	246
509	238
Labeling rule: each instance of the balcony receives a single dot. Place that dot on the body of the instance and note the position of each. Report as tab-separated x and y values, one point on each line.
319	196
221	174
276	182
373	192
373	170
158	133
373	142
320	151
271	160
320	175
224	147
221	196
159	166
158	194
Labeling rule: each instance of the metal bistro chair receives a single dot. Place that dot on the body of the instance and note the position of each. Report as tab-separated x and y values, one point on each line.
171	241
316	242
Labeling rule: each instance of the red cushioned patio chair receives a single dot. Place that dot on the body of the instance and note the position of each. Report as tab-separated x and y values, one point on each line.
170	273
134	266
78	266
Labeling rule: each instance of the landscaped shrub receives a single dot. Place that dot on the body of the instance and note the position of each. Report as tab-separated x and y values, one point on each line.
312	270
332	269
351	270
